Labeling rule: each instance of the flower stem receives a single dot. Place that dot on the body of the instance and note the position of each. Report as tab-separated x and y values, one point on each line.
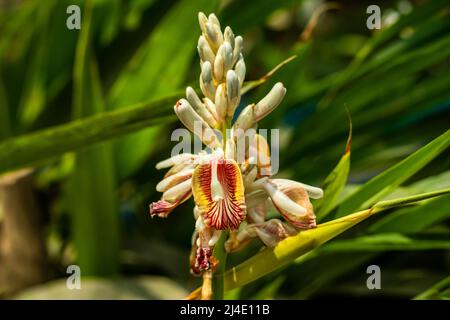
221	256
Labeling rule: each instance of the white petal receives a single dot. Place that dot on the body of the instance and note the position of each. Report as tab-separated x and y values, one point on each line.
176	159
313	192
182	175
282	201
217	193
174	193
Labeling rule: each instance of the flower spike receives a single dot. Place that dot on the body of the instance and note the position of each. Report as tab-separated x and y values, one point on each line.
231	182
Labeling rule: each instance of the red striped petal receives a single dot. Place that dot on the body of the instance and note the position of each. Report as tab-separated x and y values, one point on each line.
226	213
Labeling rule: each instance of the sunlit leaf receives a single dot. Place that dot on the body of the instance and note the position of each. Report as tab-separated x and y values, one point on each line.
291	248
395	176
334	183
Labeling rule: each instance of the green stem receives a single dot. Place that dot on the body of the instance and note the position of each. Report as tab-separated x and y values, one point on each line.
35	148
220	254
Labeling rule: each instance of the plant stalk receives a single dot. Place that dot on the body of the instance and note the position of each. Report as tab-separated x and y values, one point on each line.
220	254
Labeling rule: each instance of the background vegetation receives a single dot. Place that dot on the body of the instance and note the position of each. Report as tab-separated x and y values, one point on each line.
85	115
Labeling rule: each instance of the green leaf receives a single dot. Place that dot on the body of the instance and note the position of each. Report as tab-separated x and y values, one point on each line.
436	291
385	242
415	219
91	188
269	291
334	183
35	148
420	12
33	98
286	251
390	179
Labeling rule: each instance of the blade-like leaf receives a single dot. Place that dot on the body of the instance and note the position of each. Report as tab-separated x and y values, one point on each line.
291	248
334	183
410	220
91	188
390	179
34	148
436	291
385	242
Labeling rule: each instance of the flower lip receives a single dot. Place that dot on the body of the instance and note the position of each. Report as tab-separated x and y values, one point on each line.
227	212
292	201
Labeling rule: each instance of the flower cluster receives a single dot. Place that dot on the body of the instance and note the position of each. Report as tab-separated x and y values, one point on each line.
229	194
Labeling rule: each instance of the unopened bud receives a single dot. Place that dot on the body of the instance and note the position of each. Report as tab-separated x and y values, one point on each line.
228	36
240	71
204	51
206	81
233	92
270	101
221	101
237	50
200	108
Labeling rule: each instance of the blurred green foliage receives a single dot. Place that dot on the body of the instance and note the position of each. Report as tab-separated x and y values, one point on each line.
129	56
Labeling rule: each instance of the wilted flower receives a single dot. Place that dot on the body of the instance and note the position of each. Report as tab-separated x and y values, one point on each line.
232	190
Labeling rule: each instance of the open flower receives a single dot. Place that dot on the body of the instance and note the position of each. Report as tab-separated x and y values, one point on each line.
233	187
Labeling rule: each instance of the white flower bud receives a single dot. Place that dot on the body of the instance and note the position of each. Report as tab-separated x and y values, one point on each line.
223	61
227	53
211	108
233	92
237	50
240	71
200	108
204	51
202	20
174	179
178	191
221	101
213	35
212	18
228	36
230	149
218	66
245	120
195	123
269	102
206	81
